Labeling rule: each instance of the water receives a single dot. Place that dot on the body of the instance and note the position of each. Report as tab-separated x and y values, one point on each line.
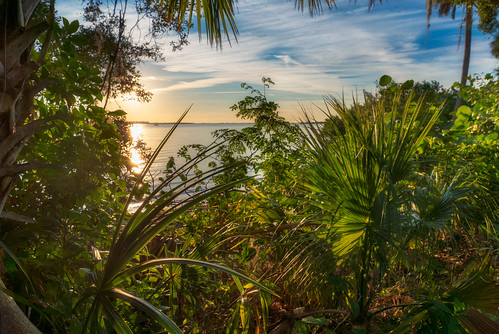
185	134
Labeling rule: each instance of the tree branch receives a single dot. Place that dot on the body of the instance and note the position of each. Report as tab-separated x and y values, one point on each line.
16	169
26	106
21	40
16	217
48	38
25	131
28	7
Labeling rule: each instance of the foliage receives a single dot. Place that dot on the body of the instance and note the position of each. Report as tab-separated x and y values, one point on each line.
153	216
364	179
269	151
71	201
356	176
355	223
370	223
457	310
116	55
470	144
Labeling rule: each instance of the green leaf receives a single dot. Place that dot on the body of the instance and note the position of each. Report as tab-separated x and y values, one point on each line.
408	84
73	27
464	110
116	320
16	260
385	80
315	321
492	136
160	262
117	112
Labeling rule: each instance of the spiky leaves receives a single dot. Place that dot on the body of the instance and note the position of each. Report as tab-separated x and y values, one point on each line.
133	232
357	178
354	173
213	17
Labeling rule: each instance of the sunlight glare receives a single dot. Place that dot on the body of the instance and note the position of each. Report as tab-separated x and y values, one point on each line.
130	97
137	132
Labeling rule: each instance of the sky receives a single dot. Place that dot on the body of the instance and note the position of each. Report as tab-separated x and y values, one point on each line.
342	51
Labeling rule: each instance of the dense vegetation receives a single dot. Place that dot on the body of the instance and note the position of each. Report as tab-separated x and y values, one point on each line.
383	218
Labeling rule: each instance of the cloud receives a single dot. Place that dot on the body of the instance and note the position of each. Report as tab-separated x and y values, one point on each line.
192	84
340	51
336	50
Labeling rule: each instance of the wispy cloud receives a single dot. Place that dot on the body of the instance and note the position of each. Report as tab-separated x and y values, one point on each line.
203	83
342	50
314	55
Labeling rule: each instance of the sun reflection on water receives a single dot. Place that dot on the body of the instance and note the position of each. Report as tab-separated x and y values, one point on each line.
137	132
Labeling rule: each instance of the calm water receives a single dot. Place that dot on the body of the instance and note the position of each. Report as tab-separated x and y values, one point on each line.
185	134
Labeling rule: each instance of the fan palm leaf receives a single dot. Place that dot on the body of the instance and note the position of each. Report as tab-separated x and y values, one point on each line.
356	176
353	174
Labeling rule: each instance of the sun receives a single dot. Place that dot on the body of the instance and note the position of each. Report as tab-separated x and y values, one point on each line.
130	97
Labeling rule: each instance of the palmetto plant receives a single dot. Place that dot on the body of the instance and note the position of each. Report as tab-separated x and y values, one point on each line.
362	179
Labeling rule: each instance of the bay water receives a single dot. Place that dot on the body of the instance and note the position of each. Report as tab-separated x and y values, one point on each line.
185	134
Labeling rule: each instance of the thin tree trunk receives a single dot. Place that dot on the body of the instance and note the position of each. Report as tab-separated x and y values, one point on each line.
468	19
467	44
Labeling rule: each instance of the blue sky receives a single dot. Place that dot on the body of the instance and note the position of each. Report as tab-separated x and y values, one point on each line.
344	50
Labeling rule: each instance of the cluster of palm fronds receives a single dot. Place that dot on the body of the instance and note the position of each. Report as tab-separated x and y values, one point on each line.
379	214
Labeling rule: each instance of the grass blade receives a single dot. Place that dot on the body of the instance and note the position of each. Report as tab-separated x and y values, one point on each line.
116	320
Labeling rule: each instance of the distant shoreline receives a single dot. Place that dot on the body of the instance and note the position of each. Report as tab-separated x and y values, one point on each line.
201	123
170	123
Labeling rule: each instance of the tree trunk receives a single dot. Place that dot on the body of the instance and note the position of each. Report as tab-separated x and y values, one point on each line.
17	94
468	19
12	319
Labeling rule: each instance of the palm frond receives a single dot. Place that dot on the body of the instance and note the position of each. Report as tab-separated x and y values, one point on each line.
17	261
436	204
147	308
116	320
217	16
164	261
478	288
354	170
144	172
461	307
314	6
